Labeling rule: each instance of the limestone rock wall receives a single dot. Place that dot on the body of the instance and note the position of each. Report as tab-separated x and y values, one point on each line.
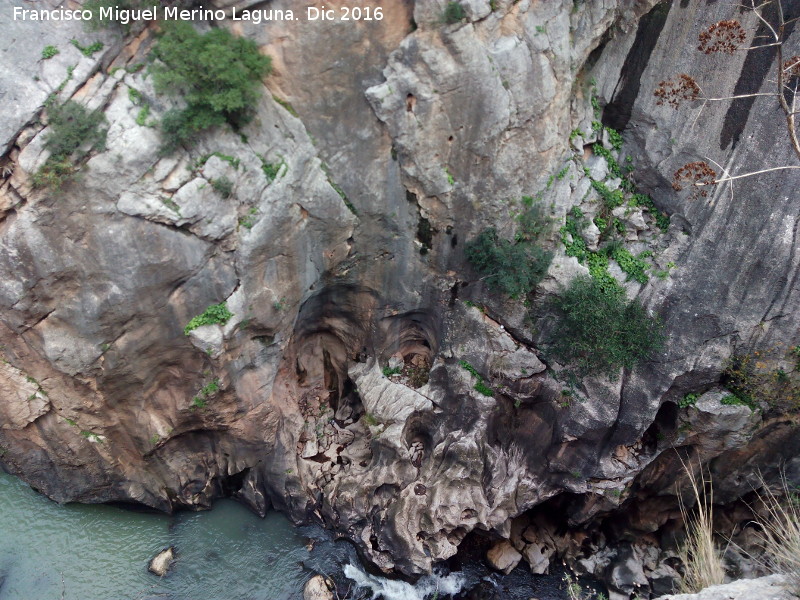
354	384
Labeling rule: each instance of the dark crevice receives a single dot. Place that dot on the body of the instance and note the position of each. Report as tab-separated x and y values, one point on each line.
754	71
617	113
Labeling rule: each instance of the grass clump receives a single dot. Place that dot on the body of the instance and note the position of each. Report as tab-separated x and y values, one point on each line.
734	400
480	385
74	132
780	532
216	314
271	170
49	52
87	50
223	186
511	268
217	74
206	392
699	553
453	13
599	331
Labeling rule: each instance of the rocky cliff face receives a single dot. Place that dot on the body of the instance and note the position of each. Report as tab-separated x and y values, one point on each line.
395	141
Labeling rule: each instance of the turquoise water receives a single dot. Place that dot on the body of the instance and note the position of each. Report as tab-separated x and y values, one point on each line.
102	552
98	552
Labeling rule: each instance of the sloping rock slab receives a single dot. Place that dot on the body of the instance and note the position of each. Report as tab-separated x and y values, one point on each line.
773	587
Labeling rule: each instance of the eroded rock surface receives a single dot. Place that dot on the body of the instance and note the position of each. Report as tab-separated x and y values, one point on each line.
367	379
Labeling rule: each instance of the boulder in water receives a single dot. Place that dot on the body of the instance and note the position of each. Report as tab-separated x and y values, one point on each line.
161	562
318	588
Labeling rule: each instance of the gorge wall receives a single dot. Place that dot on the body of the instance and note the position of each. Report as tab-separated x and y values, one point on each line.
398	140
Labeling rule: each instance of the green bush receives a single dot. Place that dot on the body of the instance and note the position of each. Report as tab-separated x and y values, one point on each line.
514	269
74	132
54	173
223	186
453	13
598	330
214	314
532	222
217	74
767	375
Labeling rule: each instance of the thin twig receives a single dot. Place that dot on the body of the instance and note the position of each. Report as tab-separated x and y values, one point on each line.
740	96
731	178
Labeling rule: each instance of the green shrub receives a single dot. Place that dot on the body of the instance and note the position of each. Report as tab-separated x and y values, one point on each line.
532	222
223	186
453	13
271	170
634	266
217	74
49	52
514	269
54	173
214	314
598	330
766	375
74	132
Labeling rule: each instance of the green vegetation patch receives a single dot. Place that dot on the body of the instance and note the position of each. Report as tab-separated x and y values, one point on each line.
271	170
206	392
688	400
511	268
480	386
74	132
87	50
769	375
598	330
198	164
223	186
453	13
216	73
216	314
49	52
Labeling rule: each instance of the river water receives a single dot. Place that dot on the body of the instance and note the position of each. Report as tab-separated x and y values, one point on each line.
97	552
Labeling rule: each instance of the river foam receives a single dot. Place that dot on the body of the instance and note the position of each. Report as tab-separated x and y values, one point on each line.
392	589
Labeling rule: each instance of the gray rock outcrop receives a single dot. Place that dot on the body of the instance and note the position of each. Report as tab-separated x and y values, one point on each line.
773	587
367	378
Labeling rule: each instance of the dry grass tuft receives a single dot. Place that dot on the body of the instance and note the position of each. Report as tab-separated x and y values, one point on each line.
781	531
700	555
